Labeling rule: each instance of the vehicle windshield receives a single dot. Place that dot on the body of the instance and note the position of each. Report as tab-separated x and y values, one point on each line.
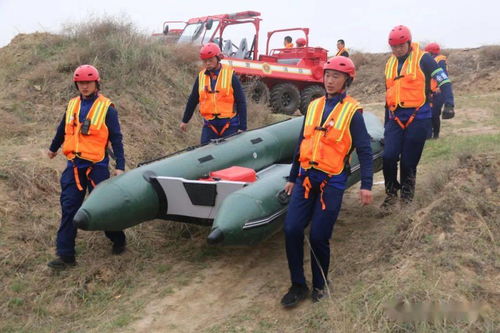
197	33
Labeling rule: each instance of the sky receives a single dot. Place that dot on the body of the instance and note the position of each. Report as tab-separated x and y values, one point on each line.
363	24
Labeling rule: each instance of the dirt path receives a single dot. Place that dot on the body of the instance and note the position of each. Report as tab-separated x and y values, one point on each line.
251	280
219	291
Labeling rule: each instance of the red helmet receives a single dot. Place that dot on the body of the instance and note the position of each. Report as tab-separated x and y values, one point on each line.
301	42
86	73
210	50
341	64
399	35
433	48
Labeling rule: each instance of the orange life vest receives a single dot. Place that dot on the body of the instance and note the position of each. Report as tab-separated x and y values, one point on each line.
289	45
326	146
434	84
342	50
90	146
220	102
407	89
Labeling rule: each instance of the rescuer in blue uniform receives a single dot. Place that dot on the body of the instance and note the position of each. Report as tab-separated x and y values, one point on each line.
437	98
89	124
333	127
408	116
221	98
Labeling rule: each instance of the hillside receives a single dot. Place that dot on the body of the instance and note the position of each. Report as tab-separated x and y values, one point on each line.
442	252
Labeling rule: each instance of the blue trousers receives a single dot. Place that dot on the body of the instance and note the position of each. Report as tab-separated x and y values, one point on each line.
71	201
404	146
208	133
437	106
301	211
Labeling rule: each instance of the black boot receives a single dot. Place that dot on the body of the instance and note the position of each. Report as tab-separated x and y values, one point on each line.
390	202
408	190
318	294
118	249
391	199
295	294
62	262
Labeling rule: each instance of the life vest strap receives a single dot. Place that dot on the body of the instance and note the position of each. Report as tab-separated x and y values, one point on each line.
87	173
77	178
307	186
322	190
410	120
226	126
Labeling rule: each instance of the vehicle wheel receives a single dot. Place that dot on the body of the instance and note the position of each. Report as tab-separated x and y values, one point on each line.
256	91
285	98
308	94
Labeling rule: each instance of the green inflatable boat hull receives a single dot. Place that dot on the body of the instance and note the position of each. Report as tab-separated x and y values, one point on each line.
134	197
240	214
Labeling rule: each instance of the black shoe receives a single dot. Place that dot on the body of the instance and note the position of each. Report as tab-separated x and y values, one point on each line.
62	262
389	204
118	249
317	294
406	201
295	294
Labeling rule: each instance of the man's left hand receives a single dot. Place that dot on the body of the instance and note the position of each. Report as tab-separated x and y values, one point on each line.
448	112
366	197
118	172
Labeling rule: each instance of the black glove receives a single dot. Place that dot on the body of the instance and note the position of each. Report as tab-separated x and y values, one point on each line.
448	112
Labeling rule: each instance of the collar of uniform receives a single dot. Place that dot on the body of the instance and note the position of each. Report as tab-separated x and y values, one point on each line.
335	98
90	98
213	72
403	58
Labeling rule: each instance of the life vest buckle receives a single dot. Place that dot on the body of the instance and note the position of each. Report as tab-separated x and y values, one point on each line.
313	163
319	128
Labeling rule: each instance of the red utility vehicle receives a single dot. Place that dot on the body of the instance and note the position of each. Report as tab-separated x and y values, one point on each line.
287	78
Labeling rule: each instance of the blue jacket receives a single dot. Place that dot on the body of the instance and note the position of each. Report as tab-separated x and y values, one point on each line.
360	141
239	98
443	65
115	136
431	70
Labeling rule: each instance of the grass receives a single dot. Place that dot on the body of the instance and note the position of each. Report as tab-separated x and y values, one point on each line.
448	148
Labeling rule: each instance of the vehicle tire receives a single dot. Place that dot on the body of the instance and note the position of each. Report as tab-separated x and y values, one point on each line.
256	91
285	98
308	94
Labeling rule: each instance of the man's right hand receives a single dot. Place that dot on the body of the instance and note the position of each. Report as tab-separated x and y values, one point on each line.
183	126
289	188
51	154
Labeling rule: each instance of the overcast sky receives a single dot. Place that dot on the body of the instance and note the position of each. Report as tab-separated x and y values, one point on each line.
364	24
